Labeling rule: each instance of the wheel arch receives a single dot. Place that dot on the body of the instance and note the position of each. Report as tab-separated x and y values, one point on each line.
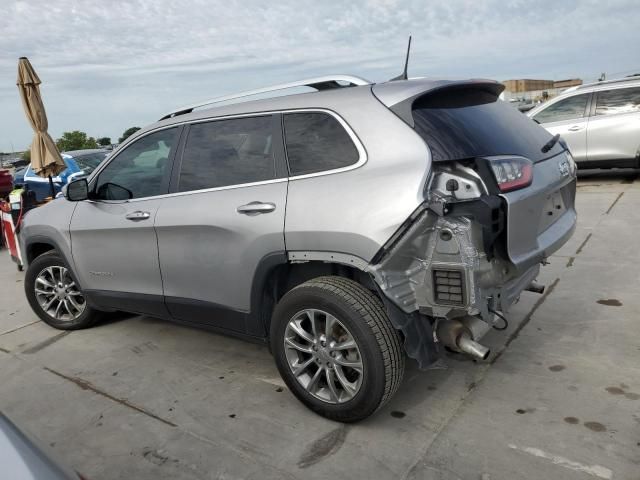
279	272
277	275
37	245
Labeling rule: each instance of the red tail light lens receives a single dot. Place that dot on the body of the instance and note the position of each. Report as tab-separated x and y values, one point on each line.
512	173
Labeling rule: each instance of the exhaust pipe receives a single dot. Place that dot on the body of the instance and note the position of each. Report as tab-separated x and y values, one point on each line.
535	287
473	348
460	337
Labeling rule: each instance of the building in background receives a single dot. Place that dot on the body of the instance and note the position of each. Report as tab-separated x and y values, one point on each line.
570	82
525	93
526	85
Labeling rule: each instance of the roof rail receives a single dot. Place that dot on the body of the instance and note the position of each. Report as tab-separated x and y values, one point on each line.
319	83
607	82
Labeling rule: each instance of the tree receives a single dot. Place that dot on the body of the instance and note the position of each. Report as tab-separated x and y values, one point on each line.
26	155
91	143
104	141
75	140
127	133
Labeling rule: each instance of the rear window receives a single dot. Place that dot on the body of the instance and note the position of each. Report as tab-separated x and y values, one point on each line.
465	123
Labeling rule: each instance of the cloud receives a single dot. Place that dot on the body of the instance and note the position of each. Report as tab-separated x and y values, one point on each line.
108	65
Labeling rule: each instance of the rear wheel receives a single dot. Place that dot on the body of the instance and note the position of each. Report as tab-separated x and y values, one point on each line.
336	349
55	296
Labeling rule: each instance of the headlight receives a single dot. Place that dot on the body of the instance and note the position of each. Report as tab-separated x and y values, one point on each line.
512	173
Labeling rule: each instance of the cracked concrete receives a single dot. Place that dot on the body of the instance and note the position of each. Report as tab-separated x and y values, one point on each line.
136	397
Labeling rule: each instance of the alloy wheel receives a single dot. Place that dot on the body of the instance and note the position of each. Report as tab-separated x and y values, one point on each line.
323	356
58	295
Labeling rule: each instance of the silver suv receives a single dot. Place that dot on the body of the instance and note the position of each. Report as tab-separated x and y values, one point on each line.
600	122
346	228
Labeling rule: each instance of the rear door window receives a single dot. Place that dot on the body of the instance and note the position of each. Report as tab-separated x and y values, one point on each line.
567	109
228	152
317	142
620	100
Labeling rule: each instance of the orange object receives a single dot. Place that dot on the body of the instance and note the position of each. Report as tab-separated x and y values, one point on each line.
9	233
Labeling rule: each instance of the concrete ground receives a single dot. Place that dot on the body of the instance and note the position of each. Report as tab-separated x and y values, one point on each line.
141	398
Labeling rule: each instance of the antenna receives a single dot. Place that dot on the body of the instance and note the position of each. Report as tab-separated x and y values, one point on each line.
403	75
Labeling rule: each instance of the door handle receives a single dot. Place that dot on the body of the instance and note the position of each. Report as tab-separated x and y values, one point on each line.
256	208
137	215
575	128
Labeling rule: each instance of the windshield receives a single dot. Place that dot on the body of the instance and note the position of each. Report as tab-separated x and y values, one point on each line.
90	161
465	123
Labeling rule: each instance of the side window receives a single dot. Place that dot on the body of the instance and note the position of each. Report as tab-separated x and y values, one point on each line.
317	142
141	170
621	100
227	152
572	107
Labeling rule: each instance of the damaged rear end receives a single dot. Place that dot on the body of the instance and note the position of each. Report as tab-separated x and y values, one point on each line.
498	201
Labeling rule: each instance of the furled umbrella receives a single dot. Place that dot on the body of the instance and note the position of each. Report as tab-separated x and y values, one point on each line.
45	157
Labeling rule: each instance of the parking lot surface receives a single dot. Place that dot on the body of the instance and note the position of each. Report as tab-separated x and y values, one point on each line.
559	398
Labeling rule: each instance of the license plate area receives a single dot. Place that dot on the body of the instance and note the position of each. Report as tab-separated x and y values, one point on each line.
554	208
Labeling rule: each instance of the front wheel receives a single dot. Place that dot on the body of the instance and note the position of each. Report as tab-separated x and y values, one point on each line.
55	296
336	349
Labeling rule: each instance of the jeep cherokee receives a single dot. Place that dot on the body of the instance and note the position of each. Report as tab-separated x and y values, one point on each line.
346	228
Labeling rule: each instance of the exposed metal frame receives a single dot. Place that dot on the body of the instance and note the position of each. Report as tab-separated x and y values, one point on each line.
319	83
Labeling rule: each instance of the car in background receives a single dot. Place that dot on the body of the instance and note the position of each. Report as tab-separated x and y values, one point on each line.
79	163
5	183
18	176
599	121
16	162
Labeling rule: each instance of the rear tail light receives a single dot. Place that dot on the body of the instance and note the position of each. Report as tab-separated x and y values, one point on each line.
512	173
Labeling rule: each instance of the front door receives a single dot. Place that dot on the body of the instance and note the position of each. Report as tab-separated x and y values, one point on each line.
568	117
225	219
113	241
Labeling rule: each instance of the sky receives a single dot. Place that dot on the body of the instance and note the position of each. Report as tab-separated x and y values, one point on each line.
109	65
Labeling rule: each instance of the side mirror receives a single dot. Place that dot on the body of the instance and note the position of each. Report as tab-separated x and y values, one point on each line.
77	190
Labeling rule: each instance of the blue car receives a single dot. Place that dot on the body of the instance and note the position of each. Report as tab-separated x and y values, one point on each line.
79	163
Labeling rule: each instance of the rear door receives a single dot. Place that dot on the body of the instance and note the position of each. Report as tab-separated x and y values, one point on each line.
569	118
114	244
614	128
223	221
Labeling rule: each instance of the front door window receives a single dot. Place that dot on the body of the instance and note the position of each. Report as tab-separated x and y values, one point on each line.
567	109
141	170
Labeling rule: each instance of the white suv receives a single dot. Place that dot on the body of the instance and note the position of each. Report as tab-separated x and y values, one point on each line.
599	121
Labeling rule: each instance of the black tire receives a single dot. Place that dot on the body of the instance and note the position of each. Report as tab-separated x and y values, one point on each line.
364	315
52	259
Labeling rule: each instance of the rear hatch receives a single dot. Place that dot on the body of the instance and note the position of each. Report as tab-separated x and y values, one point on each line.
542	216
466	121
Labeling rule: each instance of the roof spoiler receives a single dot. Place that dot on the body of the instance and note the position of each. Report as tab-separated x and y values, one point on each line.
399	96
